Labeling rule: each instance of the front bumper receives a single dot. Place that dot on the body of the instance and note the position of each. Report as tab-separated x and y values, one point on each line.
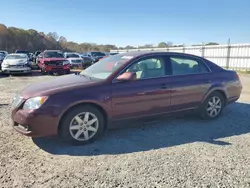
64	68
34	123
16	70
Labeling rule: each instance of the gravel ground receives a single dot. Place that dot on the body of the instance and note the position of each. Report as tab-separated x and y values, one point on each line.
175	152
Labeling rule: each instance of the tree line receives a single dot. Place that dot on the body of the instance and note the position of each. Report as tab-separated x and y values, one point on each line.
12	38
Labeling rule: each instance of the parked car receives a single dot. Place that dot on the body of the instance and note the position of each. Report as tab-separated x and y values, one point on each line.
35	55
74	59
87	61
1	60
95	56
53	61
123	88
16	64
24	52
4	53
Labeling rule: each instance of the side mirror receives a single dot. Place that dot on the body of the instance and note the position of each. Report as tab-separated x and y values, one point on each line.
126	76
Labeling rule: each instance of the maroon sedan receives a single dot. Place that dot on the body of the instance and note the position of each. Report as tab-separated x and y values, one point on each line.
130	86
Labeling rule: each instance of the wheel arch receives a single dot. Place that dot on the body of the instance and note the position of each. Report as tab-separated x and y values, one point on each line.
219	90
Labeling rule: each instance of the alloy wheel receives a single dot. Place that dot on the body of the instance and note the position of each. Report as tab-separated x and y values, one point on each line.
214	106
84	126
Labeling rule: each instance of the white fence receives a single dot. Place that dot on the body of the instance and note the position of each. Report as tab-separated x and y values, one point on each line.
233	56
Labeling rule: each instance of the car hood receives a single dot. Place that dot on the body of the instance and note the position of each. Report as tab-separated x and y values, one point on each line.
15	61
56	85
54	59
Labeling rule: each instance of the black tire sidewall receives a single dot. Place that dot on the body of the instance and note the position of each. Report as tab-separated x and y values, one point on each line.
204	113
64	132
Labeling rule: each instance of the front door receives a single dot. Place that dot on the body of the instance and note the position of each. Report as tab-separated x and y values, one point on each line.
148	95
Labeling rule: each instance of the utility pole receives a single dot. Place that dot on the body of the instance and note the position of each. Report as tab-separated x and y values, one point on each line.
228	53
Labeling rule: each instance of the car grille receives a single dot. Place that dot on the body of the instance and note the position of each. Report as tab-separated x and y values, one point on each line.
54	63
16	66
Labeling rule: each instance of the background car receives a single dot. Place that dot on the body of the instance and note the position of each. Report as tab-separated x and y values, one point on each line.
16	64
35	55
121	89
2	56
4	53
74	59
95	56
87	61
53	61
24	52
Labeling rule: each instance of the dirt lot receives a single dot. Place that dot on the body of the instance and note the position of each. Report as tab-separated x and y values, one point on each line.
178	152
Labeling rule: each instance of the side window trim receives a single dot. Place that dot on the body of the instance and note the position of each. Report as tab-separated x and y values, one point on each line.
198	60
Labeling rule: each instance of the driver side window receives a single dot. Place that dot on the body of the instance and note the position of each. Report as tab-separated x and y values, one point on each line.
148	68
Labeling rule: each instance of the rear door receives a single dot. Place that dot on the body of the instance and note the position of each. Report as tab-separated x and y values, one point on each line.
148	95
189	81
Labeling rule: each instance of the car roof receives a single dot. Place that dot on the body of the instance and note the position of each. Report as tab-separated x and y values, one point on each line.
142	53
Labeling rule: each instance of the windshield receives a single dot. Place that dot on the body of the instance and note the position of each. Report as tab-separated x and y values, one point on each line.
105	67
53	54
97	54
21	56
72	56
22	52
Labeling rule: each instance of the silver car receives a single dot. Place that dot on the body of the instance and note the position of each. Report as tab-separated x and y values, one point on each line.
16	64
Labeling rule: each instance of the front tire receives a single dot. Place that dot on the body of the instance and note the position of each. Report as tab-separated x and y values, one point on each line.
213	105
82	125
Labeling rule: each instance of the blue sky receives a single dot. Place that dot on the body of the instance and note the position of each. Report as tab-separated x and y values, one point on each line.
133	22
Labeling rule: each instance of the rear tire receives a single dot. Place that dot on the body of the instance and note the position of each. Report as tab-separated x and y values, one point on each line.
213	105
82	125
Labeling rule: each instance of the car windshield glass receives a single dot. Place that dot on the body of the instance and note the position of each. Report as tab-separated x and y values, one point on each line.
22	52
16	57
72	55
97	54
53	55
105	67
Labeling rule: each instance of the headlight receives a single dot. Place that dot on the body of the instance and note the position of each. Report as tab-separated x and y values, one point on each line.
5	65
34	103
66	62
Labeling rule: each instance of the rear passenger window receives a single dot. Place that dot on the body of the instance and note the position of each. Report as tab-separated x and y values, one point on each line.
183	65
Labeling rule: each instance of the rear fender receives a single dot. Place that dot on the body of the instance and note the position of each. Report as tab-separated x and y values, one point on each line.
215	87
